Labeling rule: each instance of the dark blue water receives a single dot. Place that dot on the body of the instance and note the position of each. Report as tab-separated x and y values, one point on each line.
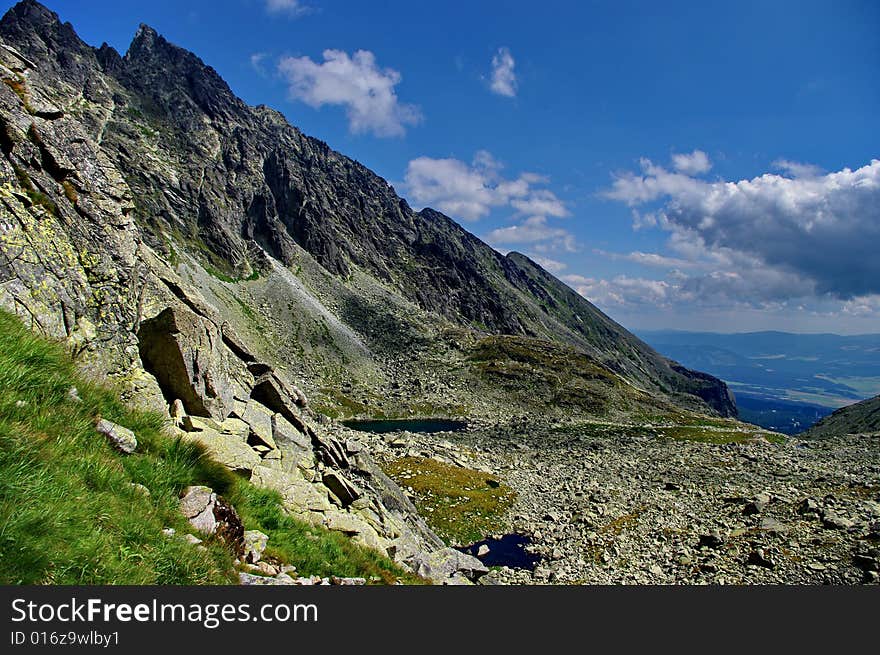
424	425
509	551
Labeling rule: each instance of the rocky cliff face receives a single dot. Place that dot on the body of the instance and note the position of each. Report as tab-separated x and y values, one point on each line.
129	180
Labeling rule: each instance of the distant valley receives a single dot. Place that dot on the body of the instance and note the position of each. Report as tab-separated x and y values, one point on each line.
782	381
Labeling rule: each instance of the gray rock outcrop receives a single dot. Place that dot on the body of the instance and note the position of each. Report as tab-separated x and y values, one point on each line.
123	439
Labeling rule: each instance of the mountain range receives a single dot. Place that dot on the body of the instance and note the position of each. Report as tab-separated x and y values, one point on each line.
783	381
221	303
130	179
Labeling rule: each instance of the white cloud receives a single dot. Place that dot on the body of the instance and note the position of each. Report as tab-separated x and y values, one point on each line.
797	169
357	83
719	289
542	202
650	259
535	232
694	163
451	186
256	60
470	191
548	264
485	160
621	291
503	80
864	306
291	7
822	229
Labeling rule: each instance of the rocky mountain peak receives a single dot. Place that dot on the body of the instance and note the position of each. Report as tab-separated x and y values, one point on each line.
206	181
145	36
39	33
168	73
35	14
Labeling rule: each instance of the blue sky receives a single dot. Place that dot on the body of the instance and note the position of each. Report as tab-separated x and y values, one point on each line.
685	165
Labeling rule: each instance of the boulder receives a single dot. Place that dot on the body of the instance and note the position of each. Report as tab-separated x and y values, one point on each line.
295	446
259	418
341	487
211	515
187	355
834	521
445	564
255	543
298	496
711	540
196	504
809	506
177	410
123	439
284	432
331	452
275	392
259	580
228	449
356	528
759	558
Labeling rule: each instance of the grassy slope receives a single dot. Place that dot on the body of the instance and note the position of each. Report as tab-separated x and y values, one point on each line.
861	417
70	515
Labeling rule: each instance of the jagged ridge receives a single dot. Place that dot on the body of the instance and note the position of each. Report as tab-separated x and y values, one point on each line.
227	182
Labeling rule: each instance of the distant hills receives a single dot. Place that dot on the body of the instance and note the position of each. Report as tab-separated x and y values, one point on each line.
782	380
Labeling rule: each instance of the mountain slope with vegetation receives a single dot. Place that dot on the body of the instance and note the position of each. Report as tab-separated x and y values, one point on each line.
144	176
75	511
859	418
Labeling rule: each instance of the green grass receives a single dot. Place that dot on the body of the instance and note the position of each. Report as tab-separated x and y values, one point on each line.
314	550
715	436
460	504
70	515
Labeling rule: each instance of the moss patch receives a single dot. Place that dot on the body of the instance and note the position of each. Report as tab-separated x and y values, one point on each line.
460	504
710	434
20	90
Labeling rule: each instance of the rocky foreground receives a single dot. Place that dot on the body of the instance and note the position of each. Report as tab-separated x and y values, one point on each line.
609	504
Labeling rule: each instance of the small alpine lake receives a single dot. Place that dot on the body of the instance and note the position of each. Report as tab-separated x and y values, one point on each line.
509	550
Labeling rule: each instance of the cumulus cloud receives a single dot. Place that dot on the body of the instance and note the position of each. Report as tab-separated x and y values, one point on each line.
470	191
548	264
821	228
864	306
621	291
650	259
541	203
797	169
290	7
503	81
764	288
694	163
535	232
355	82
